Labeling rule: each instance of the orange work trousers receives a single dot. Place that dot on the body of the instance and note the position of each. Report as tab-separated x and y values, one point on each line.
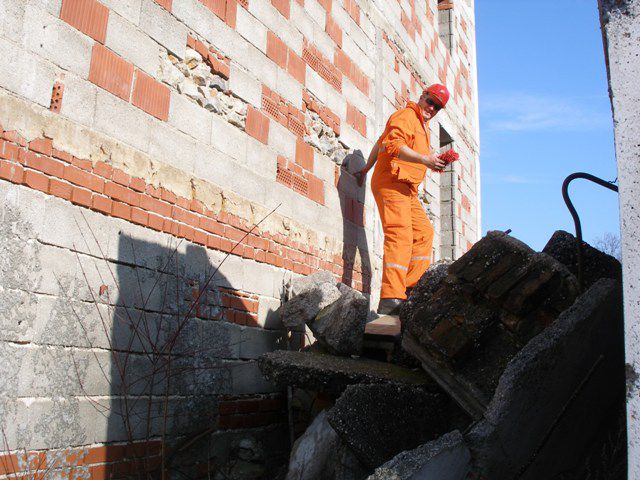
408	235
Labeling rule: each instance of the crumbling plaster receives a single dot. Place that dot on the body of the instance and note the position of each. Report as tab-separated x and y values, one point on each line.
621	34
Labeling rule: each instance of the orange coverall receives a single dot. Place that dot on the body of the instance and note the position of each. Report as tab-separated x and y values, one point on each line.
408	233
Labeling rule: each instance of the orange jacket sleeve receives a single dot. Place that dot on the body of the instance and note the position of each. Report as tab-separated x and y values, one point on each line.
398	132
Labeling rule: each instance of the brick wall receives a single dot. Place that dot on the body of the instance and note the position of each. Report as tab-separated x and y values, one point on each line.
166	167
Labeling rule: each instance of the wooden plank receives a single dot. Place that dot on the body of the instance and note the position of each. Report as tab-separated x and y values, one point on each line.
467	396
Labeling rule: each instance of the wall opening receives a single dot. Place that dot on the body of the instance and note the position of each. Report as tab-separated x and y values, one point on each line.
448	221
445	22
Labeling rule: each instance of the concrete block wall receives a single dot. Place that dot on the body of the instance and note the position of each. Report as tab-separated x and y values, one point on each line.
146	142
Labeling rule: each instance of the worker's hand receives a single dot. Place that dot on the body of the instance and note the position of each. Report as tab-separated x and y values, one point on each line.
361	175
434	163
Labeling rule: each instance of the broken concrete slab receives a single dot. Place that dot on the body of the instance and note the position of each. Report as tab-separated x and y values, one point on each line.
304	284
556	389
397	418
340	326
446	458
303	307
595	264
465	327
331	374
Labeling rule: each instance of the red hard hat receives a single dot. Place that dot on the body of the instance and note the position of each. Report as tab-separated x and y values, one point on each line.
439	93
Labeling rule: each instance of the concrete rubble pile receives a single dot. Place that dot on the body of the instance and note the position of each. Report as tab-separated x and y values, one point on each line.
512	371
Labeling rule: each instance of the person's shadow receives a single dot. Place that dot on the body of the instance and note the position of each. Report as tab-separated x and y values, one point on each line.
355	251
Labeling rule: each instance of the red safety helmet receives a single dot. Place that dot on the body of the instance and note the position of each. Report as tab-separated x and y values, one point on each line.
439	93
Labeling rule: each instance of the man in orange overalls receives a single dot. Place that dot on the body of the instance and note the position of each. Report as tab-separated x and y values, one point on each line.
403	153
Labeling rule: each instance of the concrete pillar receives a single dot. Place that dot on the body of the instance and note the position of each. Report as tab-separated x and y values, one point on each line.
620	21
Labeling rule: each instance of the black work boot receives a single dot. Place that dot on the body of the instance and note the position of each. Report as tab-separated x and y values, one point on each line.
389	306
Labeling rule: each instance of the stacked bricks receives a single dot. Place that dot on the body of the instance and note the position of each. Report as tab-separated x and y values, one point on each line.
112	192
282	111
318	62
326	115
104	461
218	62
285	57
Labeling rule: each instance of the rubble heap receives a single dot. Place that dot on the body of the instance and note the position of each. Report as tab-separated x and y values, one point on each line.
513	360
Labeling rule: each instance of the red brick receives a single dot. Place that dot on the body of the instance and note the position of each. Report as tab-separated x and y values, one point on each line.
103	169
117	192
304	155
110	72
88	16
44	164
155	222
12	172
15	137
326	4
120	177
283	6
154	205
334	31
276	50
84	179
138	184
139	216
60	189
168	196
36	180
42	145
11	152
121	210
82	164
257	125
102	204
151	96
165	4
80	196
296	67
216	6
316	189
231	13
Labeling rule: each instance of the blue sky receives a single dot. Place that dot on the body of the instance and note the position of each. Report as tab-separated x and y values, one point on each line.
544	114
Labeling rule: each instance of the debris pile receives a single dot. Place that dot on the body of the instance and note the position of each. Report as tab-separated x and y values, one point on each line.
502	368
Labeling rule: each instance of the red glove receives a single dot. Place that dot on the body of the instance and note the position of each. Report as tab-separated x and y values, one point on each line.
449	156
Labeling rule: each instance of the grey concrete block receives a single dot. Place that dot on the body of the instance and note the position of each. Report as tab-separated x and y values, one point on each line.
189	117
164	28
51	38
245	86
135	46
122	121
246	379
256	341
79	101
26	74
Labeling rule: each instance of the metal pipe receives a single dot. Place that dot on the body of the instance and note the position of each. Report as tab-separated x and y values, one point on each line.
574	213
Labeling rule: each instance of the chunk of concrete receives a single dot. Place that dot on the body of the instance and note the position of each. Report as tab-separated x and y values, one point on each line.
303	284
595	264
303	307
340	326
331	374
320	454
446	458
398	417
312	453
557	389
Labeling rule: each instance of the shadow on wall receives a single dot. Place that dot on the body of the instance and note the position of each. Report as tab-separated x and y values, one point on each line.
176	352
355	250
